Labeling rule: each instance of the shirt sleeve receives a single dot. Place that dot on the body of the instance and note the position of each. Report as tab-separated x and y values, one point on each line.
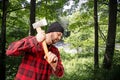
59	69
19	47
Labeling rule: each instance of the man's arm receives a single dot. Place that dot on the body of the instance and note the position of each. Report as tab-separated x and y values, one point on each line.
21	46
58	69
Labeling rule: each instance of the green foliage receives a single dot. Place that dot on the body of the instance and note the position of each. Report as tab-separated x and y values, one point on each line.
81	25
17	25
50	9
12	67
81	31
80	67
113	73
18	16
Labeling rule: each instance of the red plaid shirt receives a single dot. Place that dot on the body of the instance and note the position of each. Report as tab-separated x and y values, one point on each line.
33	65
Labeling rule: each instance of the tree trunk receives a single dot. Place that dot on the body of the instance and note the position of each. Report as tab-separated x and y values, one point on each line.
96	60
32	16
110	44
3	41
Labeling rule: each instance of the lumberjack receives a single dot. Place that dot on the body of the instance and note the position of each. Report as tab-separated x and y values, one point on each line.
40	57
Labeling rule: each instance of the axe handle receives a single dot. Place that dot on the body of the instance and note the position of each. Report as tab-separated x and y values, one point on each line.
44	45
45	48
46	51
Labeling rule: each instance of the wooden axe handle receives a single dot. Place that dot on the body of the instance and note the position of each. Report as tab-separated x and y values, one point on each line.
44	45
45	48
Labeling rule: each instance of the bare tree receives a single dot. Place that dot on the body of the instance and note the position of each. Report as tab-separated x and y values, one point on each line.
110	44
3	40
96	60
32	16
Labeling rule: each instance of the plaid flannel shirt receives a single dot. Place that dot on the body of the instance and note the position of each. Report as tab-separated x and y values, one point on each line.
33	65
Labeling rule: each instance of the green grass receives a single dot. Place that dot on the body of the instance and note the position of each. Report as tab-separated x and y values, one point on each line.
81	67
77	67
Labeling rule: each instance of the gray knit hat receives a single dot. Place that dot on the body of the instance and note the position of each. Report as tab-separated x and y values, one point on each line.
55	27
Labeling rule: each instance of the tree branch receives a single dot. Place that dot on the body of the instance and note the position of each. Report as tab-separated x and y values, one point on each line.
18	9
102	34
24	7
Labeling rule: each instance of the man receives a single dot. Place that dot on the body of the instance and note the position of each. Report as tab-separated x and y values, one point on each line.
34	65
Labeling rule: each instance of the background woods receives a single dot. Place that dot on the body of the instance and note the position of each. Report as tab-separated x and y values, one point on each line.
90	49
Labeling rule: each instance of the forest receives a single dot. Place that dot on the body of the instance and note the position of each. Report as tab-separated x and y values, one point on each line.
92	31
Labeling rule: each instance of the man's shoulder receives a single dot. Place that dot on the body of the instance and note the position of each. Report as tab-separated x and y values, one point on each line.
28	37
53	46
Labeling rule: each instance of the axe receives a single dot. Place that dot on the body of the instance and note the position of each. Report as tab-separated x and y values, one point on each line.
37	25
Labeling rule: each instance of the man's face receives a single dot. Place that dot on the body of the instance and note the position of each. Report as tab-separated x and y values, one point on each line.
54	37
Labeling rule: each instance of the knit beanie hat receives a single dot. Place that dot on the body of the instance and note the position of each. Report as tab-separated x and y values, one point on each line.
55	27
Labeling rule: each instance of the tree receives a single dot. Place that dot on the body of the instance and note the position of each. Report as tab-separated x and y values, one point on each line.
110	44
32	16
3	40
96	61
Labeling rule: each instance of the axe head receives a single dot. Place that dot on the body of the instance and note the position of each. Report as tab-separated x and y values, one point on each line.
40	23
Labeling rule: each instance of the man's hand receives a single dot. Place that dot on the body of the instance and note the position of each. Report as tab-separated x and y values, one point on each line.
52	60
40	36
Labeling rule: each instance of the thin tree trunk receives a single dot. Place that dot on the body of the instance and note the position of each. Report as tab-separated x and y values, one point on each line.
96	60
3	41
32	16
110	44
